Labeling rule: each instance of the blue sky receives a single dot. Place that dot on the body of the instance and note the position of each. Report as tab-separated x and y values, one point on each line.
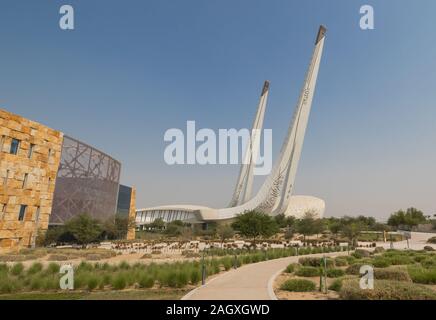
132	69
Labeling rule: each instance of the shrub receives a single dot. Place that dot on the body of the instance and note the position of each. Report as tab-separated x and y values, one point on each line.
156	252
190	254
17	269
336	285
85	266
422	275
57	257
392	274
291	268
119	282
429	262
359	253
146	282
428	248
53	268
335	273
36	283
93	257
147	256
298	285
195	276
386	290
341	262
400	260
124	265
308	272
380	262
431	240
315	262
354	269
93	282
379	250
34	268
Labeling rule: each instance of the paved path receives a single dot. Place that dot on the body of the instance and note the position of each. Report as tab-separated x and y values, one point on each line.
249	282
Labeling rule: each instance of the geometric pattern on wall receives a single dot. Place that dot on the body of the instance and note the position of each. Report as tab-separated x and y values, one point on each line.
87	182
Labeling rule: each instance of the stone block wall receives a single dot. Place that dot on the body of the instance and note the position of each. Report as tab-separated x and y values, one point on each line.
26	179
131	225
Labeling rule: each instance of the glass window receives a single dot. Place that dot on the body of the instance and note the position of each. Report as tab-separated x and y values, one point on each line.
15	145
32	146
22	212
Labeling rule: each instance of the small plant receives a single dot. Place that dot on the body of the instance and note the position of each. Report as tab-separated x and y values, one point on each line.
380	262
422	275
146	282
392	274
291	268
341	262
336	285
308	272
432	240
92	283
298	285
35	268
119	282
53	268
17	269
335	273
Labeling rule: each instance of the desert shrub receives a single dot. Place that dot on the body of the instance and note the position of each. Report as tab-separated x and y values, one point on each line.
315	262
400	260
52	268
429	262
308	272
17	269
422	275
298	285
359	253
195	276
291	268
227	263
147	256
34	268
428	248
146	281
190	254
50	283
386	290
156	252
350	259
124	265
392	274
335	273
7	285
354	269
380	262
118	282
57	257
36	283
341	262
93	282
85	266
379	250
336	285
431	240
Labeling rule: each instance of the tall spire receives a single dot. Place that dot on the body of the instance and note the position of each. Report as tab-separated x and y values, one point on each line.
244	183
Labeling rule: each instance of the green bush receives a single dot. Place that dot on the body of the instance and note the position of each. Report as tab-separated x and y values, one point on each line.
17	269
386	290
291	268
36	283
298	285
308	272
341	262
379	250
359	253
315	262
146	282
119	282
335	273
52	268
354	269
380	262
336	285
392	274
34	268
400	260
93	282
422	275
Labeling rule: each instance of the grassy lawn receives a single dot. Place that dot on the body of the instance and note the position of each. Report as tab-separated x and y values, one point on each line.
154	294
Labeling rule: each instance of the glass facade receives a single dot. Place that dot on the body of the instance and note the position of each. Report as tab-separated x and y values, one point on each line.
87	182
124	200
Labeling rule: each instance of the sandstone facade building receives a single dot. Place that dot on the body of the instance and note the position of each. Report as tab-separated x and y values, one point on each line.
46	178
29	160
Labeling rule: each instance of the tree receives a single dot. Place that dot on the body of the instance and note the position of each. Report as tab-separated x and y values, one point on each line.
83	228
254	224
117	228
412	217
224	232
284	221
352	230
157	224
309	225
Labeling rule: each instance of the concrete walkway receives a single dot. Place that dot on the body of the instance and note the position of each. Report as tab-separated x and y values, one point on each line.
249	282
